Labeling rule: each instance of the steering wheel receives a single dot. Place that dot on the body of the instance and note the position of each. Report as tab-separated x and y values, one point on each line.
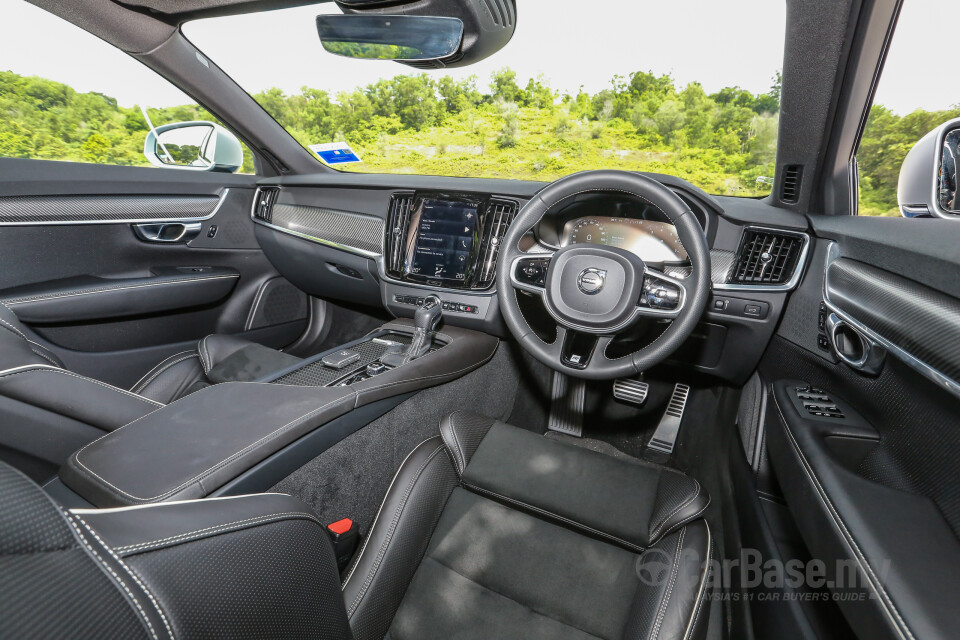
595	292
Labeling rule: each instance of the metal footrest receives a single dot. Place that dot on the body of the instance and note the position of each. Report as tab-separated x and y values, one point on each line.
664	439
566	405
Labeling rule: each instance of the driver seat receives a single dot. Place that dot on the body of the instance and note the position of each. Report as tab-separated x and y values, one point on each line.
492	531
488	531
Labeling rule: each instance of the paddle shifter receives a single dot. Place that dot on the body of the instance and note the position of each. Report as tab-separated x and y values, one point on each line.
426	320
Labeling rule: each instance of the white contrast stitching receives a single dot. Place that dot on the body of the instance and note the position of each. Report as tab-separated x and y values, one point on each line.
75	375
130	573
861	558
674	572
708	564
123	585
159	364
166	368
207	471
211	530
11	327
376	519
696	494
390	533
110	289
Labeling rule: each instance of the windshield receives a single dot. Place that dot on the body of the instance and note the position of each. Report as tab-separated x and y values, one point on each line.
690	89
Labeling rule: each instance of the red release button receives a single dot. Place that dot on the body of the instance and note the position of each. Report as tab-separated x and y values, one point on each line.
340	526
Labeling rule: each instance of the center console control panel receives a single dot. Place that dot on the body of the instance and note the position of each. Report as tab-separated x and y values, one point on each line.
454	307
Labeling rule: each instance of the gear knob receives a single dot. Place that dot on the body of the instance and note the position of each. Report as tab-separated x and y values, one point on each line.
428	315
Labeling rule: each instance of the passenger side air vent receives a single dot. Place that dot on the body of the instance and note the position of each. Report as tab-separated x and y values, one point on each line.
263	203
397	225
500	213
790	186
766	257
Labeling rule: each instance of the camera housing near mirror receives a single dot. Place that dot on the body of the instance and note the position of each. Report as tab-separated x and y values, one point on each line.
193	146
487	25
928	184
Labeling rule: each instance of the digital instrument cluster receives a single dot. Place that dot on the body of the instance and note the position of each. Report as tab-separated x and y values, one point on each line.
652	241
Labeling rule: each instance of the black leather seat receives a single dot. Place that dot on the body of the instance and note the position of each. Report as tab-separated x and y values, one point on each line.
47	411
488	531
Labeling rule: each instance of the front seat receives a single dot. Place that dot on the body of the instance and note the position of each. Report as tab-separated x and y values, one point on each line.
488	531
47	411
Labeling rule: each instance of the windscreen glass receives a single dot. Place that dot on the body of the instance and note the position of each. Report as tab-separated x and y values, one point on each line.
691	89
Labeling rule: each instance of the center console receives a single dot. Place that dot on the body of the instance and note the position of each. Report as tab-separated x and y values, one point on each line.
246	436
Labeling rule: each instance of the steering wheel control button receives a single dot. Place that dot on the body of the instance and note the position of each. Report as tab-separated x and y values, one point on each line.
532	271
660	294
340	359
591	280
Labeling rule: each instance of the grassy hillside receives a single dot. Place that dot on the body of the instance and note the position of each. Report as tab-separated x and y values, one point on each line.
724	142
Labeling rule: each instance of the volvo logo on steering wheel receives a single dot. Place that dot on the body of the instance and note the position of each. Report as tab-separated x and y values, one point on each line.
591	280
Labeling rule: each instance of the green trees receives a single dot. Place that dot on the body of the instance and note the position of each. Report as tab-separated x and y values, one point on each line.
724	142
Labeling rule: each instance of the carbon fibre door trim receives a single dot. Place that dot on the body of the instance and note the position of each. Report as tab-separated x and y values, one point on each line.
107	209
917	324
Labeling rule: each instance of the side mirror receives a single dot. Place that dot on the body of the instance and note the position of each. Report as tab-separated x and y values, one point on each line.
928	181
194	146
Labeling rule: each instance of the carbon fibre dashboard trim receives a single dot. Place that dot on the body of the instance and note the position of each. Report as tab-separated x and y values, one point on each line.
917	324
107	209
352	232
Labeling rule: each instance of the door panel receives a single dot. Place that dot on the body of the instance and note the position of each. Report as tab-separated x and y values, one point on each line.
878	486
111	304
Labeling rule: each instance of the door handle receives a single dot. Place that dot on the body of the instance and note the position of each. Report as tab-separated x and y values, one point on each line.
168	231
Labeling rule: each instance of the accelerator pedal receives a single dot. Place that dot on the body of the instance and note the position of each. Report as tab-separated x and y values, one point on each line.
664	439
566	405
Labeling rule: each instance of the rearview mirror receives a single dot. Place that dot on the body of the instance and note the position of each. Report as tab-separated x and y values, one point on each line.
194	146
929	177
388	37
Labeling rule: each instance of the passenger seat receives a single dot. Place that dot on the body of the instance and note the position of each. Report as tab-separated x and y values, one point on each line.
47	411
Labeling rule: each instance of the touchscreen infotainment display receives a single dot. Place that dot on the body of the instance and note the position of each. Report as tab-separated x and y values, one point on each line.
446	231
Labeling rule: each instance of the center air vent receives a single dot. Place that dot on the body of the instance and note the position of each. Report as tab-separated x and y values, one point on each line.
397	226
767	257
500	214
263	203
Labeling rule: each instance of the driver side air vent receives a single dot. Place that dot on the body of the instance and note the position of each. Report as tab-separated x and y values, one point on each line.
790	187
500	213
766	257
263	203
398	223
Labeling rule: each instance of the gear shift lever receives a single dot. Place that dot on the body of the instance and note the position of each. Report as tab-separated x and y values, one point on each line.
426	320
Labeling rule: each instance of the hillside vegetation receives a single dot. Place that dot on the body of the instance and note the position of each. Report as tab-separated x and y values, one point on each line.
724	142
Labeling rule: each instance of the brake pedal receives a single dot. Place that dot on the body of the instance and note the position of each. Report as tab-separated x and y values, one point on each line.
664	439
566	405
630	390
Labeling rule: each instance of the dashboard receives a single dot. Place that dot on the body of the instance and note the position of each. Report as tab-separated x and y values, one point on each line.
386	242
650	240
